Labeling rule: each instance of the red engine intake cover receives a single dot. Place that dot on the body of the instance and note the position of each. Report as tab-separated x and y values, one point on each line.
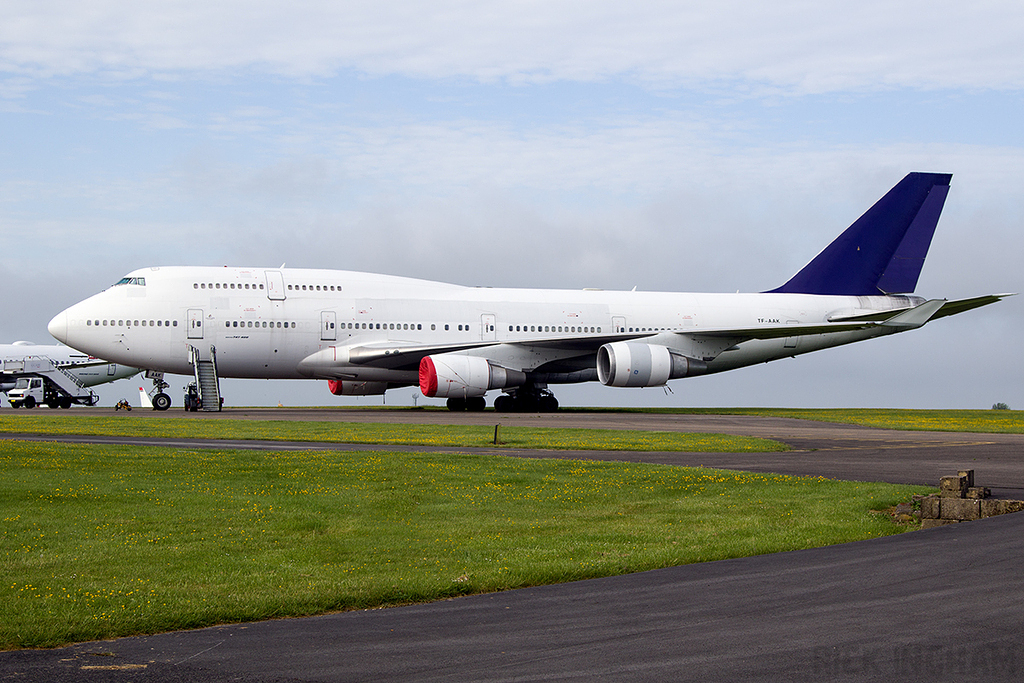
428	377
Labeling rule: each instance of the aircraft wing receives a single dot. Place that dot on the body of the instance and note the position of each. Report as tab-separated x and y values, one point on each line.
394	355
397	355
92	362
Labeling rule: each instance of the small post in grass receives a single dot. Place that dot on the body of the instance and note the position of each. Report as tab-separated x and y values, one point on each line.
496	434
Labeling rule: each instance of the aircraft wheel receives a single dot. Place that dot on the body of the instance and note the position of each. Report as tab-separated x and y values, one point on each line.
30	402
525	404
548	404
456	404
504	404
161	401
476	404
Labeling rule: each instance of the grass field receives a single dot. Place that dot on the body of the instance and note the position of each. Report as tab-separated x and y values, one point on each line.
981	421
108	541
439	435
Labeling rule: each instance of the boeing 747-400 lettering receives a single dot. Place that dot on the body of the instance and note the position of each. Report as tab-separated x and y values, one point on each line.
367	333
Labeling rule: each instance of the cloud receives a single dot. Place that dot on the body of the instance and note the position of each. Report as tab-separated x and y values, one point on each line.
668	146
796	47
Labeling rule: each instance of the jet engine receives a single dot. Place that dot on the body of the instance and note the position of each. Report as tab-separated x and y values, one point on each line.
353	388
633	364
454	375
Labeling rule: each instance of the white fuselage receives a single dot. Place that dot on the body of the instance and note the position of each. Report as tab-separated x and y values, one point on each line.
265	322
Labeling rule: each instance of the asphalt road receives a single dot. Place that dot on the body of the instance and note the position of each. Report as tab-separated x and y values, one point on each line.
942	604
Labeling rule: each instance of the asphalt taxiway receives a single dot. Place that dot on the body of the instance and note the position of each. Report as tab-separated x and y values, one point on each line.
945	603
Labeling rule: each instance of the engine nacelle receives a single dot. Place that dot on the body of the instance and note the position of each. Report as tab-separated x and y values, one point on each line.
454	375
634	364
354	388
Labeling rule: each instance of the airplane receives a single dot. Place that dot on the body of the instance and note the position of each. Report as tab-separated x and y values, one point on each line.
65	374
366	333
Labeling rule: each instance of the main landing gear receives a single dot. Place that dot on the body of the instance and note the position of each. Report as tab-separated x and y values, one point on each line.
473	404
527	399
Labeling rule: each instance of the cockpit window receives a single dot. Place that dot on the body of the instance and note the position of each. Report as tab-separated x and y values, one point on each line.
141	281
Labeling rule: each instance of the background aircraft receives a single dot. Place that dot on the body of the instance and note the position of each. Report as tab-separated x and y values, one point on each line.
53	375
366	333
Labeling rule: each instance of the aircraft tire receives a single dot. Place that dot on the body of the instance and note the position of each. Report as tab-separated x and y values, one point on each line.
504	404
161	401
456	404
476	404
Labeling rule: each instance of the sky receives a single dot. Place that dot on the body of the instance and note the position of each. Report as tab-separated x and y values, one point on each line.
676	146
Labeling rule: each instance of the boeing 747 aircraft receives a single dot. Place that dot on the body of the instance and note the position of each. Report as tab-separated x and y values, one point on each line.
367	333
53	375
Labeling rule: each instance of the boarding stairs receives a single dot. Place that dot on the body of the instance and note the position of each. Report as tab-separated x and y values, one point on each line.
66	384
207	381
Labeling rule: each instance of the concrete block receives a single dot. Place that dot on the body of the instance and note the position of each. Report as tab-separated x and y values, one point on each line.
952	487
930	507
991	507
978	492
969	474
960	509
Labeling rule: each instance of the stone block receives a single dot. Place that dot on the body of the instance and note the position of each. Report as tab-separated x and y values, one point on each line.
991	507
930	507
978	492
960	509
969	474
952	487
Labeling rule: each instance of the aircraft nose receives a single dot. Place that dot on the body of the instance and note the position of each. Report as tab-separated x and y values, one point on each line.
58	327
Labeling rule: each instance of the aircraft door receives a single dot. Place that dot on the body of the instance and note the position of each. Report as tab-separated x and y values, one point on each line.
792	342
487	331
275	285
328	331
195	323
618	323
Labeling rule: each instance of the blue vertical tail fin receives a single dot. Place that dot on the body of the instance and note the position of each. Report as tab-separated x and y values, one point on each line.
884	250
